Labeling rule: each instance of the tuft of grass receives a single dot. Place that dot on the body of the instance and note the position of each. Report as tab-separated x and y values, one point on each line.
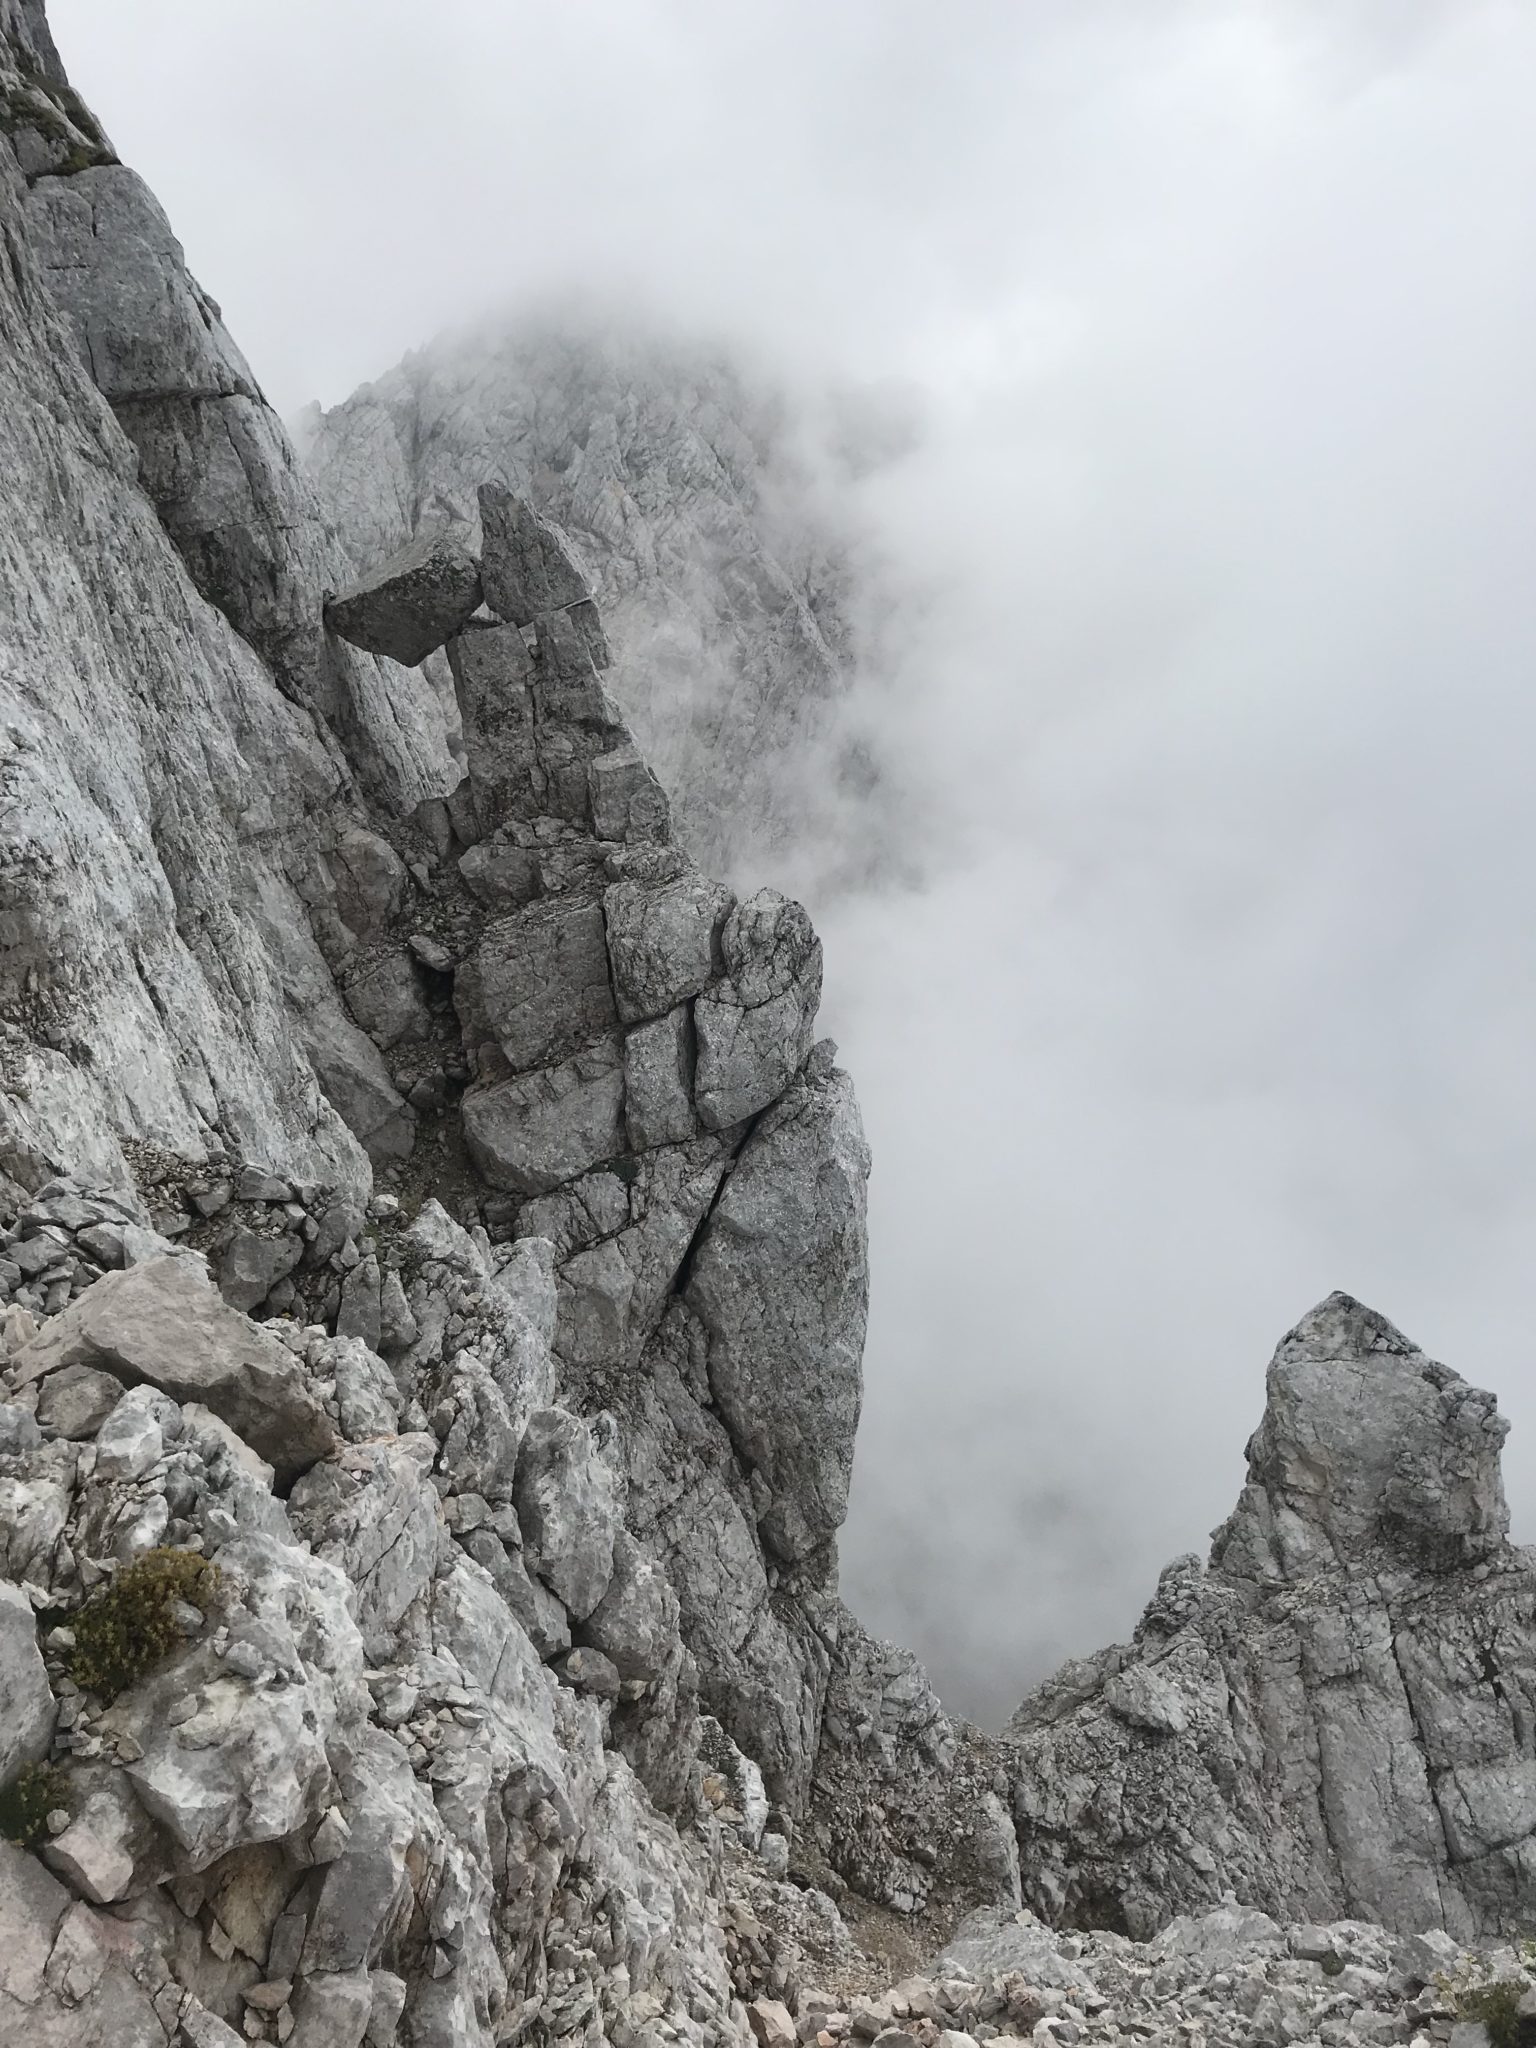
126	1627
25	1804
1497	2006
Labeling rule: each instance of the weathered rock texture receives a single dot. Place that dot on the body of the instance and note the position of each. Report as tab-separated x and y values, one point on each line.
171	801
722	565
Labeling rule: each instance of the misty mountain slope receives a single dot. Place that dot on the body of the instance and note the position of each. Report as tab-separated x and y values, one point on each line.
433	1289
721	556
499	1501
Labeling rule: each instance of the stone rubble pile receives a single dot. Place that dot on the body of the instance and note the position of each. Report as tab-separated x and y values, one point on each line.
1231	1975
384	1783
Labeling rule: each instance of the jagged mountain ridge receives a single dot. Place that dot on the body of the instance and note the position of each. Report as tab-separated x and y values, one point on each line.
721	559
496	1497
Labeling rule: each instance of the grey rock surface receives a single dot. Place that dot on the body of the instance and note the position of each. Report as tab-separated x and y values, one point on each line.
658	1081
302	954
756	1026
293	890
781	1291
529	568
62	1983
664	938
26	1698
532	1133
161	984
538	983
568	1510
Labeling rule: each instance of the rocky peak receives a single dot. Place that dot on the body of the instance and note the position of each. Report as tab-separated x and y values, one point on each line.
1368	1452
1337	1715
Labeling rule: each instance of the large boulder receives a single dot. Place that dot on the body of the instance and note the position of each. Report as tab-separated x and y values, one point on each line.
411	604
538	983
664	939
162	1325
532	1132
229	1742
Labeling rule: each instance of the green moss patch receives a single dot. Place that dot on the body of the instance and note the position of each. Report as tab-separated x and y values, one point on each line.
125	1629
25	1804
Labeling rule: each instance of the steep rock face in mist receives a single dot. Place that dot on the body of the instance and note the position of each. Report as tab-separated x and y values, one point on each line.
426	1201
170	797
721	578
1336	1716
488	1516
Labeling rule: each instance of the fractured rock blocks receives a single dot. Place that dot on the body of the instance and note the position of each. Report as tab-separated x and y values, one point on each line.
643	1092
163	1326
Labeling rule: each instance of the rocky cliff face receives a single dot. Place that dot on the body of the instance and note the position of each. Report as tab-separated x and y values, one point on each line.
267	936
720	564
433	1274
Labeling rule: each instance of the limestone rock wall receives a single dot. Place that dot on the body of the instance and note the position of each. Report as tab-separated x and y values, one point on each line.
159	985
284	969
211	455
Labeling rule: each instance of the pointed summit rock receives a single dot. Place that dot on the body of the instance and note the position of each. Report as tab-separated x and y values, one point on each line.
1368	1451
1335	1717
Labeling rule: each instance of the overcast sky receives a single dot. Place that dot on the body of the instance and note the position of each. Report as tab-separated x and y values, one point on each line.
1223	316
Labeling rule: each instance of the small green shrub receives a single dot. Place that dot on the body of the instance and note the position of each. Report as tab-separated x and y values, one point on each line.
1498	2007
25	1804
130	1624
